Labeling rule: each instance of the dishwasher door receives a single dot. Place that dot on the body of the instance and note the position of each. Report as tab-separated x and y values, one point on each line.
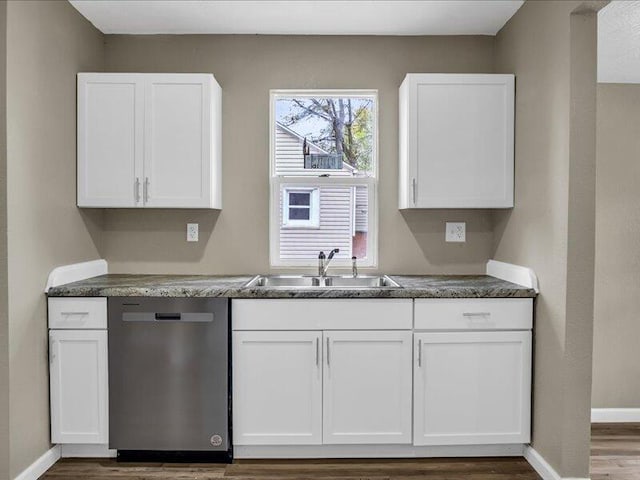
168	374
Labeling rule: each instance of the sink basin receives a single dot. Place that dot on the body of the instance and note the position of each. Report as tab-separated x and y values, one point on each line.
308	281
364	281
283	281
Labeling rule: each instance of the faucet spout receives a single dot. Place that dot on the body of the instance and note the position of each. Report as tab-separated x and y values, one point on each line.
322	264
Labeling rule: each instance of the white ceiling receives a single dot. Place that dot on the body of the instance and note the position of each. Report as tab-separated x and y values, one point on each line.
619	42
290	17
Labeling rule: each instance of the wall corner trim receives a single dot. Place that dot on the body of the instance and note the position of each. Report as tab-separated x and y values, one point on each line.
615	415
75	272
41	465
513	273
542	467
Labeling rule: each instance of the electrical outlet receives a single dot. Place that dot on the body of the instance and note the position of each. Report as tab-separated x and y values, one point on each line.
456	232
192	232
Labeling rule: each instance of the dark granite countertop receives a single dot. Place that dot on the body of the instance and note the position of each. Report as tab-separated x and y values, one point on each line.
414	286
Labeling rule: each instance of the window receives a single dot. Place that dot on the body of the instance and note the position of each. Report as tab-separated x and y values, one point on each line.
323	176
300	208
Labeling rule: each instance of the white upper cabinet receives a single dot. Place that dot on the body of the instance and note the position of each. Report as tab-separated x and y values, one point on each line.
110	131
456	141
149	140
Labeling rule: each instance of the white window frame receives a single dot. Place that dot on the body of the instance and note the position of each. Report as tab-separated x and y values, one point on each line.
279	183
314	208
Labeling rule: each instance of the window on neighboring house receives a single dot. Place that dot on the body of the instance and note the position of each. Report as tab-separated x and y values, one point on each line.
300	208
323	176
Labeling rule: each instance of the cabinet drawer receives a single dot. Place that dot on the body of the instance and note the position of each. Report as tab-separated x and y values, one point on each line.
322	314
474	314
78	312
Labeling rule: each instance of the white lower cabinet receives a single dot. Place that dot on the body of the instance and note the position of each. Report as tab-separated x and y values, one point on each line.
367	387
79	383
322	372
472	387
277	388
280	399
323	378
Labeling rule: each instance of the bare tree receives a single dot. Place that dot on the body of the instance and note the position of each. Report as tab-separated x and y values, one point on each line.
341	118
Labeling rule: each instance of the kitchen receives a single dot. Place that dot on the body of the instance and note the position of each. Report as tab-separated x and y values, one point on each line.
544	231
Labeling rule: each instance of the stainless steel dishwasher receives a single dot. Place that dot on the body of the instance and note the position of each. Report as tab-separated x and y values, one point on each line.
169	378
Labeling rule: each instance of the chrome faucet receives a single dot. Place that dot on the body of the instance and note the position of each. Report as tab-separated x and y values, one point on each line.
354	267
323	262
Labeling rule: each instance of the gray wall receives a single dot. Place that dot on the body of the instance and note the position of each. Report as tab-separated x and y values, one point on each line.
616	369
552	54
247	67
47	44
4	317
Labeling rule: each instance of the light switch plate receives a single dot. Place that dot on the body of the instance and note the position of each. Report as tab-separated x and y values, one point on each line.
456	232
192	232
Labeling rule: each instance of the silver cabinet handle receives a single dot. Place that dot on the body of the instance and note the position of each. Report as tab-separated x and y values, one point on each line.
413	186
476	314
317	352
74	313
328	358
146	189
136	189
420	353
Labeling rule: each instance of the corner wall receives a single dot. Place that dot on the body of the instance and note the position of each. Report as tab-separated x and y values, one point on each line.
48	42
4	317
616	369
551	229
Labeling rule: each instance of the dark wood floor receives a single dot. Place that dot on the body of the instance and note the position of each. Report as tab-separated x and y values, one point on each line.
615	455
431	469
615	451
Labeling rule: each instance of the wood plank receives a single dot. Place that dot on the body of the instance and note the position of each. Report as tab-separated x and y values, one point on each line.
615	451
510	468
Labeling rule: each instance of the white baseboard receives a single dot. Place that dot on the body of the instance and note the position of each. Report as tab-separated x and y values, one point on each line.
540	465
375	451
615	415
41	465
86	451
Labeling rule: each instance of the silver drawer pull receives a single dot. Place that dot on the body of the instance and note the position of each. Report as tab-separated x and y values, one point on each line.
476	314
74	313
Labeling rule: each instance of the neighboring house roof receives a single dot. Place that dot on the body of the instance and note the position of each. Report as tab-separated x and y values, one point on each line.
310	143
301	138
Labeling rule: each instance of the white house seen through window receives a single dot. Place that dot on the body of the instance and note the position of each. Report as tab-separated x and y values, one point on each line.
323	176
300	208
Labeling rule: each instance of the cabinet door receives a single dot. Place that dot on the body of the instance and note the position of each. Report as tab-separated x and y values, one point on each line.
178	140
110	147
472	388
367	387
79	388
277	388
460	129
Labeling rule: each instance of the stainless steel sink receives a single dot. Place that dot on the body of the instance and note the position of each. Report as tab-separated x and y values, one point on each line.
309	281
364	281
283	281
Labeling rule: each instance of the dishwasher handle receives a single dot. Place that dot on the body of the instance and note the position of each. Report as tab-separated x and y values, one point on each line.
168	316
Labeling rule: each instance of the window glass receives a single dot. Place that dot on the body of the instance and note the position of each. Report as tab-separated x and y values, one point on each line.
323	166
336	135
